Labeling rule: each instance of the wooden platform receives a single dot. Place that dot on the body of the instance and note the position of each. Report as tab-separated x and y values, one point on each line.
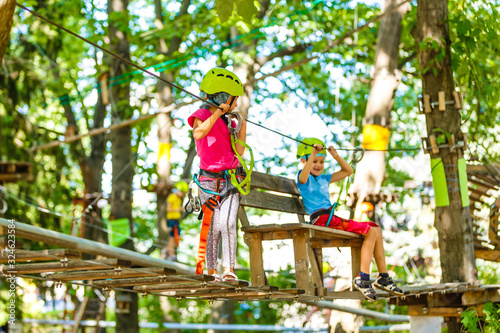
15	171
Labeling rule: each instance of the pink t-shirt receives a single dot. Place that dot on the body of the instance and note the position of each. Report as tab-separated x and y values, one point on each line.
214	150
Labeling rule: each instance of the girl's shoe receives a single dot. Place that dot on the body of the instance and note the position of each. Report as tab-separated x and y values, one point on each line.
365	286
216	277
386	284
229	276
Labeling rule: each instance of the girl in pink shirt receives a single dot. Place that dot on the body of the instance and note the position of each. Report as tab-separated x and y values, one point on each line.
219	197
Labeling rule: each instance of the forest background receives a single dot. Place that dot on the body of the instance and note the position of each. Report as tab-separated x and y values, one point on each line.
52	87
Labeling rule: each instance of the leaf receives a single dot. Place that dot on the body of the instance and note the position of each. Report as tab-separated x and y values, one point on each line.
224	9
246	9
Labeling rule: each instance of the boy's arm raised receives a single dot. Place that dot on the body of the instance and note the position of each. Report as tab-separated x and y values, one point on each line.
306	171
345	170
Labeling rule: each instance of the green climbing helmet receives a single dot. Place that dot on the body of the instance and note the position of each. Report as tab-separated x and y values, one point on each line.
304	150
219	80
182	186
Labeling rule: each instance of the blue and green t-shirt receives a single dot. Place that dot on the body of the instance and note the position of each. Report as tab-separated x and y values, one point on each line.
315	193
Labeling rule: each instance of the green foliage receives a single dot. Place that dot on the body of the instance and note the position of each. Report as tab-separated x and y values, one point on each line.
490	323
245	8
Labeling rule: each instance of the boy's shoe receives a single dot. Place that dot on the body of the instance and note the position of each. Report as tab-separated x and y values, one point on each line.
386	284
365	286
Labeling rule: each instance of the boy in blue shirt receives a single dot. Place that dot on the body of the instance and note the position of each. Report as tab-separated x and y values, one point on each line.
313	187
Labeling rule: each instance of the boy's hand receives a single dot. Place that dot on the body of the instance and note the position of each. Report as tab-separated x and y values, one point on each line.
333	152
317	149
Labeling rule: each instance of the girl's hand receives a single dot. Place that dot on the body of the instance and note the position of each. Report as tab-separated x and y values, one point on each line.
223	108
333	152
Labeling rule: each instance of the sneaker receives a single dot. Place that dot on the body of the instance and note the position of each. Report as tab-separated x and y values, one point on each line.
365	287
386	284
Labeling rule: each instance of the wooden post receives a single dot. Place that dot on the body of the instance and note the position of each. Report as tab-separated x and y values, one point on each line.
300	244
355	261
257	274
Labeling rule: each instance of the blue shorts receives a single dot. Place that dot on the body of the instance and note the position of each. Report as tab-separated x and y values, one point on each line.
171	224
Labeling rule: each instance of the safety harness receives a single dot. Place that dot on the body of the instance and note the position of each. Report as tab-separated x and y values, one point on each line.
356	157
233	175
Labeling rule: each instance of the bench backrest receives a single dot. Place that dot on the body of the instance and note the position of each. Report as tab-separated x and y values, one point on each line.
273	193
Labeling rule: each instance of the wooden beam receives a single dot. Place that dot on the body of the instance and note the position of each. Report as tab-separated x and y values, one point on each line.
273	202
72	265
153	280
421	310
27	231
111	274
198	286
274	183
480	297
42	255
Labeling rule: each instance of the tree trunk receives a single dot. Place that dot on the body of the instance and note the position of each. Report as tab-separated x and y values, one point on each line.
121	152
453	220
7	8
164	99
370	172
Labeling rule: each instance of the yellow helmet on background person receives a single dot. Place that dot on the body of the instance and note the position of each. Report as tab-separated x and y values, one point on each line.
182	186
305	150
219	80
326	267
367	207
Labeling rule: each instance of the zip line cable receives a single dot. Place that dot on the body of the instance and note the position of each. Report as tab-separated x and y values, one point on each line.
331	45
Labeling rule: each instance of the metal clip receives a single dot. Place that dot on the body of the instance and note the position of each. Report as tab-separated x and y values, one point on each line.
64	261
234	130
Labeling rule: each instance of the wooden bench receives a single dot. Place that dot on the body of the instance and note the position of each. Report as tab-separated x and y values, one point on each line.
308	240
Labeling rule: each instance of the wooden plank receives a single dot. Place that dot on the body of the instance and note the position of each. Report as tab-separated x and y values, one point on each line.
199	286
421	310
331	295
111	274
322	243
300	243
42	255
218	294
481	183
479	297
274	183
242	216
277	235
319	232
487	254
273	202
257	274
142	281
71	265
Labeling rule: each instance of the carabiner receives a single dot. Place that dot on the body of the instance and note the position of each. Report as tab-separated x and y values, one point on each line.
239	117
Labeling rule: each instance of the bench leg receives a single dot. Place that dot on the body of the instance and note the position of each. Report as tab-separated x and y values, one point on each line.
355	261
316	259
257	274
300	245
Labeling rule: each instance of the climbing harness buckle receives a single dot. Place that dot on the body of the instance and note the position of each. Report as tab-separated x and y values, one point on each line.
358	155
194	203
